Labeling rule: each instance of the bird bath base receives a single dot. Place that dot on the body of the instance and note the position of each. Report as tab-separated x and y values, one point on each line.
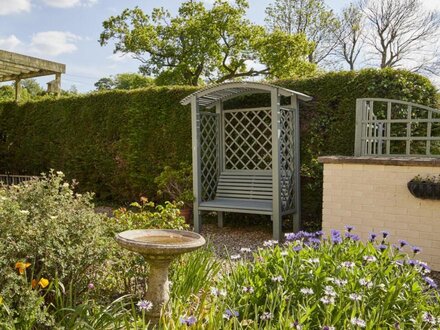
159	247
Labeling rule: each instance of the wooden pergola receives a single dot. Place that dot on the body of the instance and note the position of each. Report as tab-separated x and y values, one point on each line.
15	67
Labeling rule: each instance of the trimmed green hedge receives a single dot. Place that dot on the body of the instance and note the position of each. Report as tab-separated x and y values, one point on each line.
116	143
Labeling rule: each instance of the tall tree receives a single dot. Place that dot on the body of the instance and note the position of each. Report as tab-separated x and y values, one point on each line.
215	44
124	81
351	34
310	17
402	31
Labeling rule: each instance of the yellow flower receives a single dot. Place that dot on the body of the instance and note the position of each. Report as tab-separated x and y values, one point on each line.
1	300
43	282
21	266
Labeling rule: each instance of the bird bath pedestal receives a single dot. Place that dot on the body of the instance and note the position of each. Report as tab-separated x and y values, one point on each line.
159	247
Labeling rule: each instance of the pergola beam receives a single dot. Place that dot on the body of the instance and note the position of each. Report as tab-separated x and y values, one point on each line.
31	62
15	67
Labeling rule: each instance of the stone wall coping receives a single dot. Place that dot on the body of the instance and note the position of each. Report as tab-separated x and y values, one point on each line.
368	160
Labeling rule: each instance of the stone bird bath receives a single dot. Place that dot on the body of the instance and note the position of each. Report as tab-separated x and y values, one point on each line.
159	247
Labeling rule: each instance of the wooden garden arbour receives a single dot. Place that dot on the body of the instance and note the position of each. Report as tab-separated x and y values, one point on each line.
246	160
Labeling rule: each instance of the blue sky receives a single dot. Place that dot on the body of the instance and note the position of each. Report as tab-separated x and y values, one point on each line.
67	31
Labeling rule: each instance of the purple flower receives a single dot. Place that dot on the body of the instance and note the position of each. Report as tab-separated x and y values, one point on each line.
416	249
297	248
228	314
385	234
319	233
315	241
326	327
372	237
290	237
336	237
188	320
402	243
381	247
430	282
90	286
351	236
349	228
144	305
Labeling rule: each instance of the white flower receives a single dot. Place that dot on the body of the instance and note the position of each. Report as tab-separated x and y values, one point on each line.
284	253
306	291
270	243
313	261
65	185
428	318
355	297
248	289
25	212
245	250
277	278
145	305
216	292
235	257
359	322
330	291
366	283
348	264
328	300
370	258
266	316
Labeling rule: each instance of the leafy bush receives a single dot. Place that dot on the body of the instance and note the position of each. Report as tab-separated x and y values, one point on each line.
117	143
313	283
176	183
46	231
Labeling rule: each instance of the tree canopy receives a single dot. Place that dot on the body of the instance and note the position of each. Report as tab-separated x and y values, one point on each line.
124	81
204	44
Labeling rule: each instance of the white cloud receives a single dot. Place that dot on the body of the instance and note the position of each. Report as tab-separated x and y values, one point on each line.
9	43
53	43
15	6
69	3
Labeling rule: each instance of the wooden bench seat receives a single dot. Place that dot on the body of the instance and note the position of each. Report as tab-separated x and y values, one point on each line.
246	193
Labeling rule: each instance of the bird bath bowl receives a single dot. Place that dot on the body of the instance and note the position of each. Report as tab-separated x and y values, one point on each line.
159	247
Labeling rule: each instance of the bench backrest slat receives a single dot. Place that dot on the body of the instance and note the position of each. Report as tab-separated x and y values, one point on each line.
245	186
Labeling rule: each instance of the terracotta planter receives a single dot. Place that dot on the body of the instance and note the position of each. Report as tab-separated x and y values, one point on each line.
424	189
186	212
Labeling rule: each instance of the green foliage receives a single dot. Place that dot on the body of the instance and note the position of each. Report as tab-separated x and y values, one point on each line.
124	81
46	231
176	183
147	215
215	43
313	18
285	55
116	143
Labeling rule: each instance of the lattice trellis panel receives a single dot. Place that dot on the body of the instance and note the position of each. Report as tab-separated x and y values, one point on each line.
247	139
287	157
209	145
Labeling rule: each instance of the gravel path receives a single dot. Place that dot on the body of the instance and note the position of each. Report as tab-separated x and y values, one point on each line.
229	240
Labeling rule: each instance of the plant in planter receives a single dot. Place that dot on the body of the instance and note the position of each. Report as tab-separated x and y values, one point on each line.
427	187
176	184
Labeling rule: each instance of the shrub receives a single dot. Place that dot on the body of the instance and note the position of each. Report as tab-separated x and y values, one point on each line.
46	231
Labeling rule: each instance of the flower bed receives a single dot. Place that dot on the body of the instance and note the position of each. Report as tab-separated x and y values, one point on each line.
61	259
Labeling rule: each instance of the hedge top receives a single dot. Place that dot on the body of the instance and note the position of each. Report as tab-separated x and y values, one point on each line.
221	92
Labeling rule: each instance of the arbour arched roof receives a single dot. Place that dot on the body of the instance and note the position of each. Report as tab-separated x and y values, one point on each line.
221	92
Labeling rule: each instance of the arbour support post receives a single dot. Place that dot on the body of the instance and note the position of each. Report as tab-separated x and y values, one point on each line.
296	217
276	133
218	111
197	187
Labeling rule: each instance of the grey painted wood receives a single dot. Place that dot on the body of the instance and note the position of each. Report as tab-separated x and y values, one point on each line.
297	224
197	189
276	133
